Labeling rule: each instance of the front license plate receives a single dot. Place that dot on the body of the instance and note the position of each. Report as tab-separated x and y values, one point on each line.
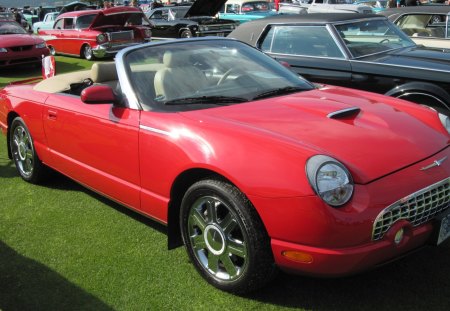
444	228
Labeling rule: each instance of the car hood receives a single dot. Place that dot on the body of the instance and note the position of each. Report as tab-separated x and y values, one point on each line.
16	40
114	16
418	56
205	8
374	142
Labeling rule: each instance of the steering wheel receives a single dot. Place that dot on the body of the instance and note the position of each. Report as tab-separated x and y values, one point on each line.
385	40
225	75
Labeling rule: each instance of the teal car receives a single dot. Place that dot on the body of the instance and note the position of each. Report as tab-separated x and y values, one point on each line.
246	10
376	5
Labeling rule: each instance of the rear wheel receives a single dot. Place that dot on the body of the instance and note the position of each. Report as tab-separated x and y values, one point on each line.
86	52
225	238
24	155
428	100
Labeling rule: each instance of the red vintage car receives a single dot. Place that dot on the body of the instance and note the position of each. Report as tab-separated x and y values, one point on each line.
19	47
97	33
249	165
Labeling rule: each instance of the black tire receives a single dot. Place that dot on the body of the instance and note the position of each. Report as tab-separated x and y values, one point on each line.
225	238
86	52
27	162
186	34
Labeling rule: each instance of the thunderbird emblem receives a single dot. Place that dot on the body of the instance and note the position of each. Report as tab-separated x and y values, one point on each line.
435	163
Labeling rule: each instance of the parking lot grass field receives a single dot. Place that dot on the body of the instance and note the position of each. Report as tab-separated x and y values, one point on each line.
63	247
63	65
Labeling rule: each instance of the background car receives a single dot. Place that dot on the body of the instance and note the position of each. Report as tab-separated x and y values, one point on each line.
428	25
18	47
97	33
189	21
364	52
249	165
47	22
245	10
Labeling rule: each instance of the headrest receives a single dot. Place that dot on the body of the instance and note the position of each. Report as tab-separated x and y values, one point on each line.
174	59
103	72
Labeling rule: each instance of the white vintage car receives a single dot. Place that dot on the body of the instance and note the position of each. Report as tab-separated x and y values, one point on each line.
427	25
47	23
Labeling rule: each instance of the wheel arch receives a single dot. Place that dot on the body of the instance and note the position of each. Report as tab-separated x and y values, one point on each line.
186	28
422	89
179	188
11	116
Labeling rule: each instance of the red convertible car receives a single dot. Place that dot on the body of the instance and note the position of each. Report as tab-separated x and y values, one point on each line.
19	47
97	33
249	165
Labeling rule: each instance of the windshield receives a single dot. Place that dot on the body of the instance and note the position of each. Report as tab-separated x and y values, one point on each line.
259	6
206	73
7	28
372	36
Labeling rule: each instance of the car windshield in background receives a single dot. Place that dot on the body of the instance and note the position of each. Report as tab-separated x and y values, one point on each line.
8	28
261	6
206	73
372	36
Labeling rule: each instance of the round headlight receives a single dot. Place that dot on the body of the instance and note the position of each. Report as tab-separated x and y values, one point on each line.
330	180
445	120
101	38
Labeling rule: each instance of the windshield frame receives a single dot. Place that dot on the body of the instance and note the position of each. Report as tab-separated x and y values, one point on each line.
148	101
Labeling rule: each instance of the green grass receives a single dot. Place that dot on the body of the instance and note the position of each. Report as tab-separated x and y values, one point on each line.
63	64
63	247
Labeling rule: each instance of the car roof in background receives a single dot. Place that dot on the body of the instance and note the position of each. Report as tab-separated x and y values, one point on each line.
416	9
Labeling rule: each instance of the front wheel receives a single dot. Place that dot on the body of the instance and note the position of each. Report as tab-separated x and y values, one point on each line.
24	155
225	238
186	34
87	52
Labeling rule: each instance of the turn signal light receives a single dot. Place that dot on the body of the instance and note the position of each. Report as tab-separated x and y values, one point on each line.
298	256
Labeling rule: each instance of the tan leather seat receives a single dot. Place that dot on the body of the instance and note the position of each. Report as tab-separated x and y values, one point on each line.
104	73
178	78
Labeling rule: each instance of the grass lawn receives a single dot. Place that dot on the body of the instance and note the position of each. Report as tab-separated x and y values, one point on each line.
63	247
63	64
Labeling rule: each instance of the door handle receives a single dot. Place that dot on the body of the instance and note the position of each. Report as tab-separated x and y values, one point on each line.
52	114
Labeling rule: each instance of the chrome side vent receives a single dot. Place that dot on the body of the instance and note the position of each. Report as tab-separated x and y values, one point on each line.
344	113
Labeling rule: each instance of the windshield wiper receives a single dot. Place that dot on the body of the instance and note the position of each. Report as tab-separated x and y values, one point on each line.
279	91
215	100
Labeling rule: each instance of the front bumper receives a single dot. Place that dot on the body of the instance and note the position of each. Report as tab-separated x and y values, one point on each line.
22	58
108	49
309	237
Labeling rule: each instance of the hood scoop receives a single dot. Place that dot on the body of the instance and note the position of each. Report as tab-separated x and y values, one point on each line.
344	113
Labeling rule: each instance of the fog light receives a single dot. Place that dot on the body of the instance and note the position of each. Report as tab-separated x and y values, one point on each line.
399	236
298	256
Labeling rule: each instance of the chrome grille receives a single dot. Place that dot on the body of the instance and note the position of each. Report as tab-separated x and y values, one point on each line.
121	35
416	208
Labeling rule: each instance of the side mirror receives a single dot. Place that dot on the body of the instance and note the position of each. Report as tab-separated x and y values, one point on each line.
98	94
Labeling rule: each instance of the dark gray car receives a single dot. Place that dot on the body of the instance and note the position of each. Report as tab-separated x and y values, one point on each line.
366	52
